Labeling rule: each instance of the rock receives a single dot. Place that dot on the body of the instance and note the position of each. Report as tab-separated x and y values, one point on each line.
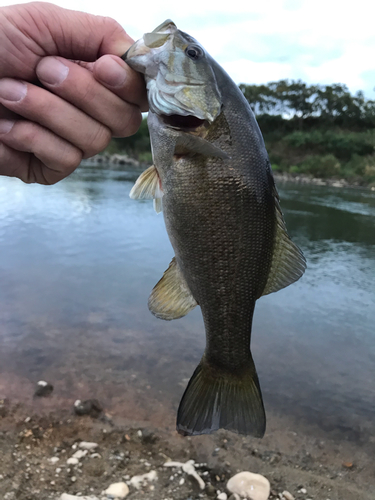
80	454
249	485
4	407
287	495
210	490
303	491
53	460
90	407
222	496
72	461
86	445
43	389
234	497
117	490
138	481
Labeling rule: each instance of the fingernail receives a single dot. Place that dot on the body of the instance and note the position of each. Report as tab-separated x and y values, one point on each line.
52	71
6	126
12	90
111	72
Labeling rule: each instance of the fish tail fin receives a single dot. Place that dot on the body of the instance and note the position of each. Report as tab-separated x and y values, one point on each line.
217	399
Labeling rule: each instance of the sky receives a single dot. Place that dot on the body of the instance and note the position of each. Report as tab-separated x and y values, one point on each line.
320	41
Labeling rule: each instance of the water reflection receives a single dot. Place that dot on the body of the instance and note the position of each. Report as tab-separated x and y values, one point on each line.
79	259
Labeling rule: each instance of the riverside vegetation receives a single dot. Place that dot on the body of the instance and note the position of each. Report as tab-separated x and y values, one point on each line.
318	130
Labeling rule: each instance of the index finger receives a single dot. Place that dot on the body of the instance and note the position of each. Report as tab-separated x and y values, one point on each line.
112	72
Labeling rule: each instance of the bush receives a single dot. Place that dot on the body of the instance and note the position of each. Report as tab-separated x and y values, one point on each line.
321	166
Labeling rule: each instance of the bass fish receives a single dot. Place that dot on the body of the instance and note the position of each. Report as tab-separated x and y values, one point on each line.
212	179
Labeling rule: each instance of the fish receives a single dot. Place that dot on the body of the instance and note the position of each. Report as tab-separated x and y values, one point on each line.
212	179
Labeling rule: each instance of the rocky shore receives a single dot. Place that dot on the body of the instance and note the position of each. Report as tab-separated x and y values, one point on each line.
65	456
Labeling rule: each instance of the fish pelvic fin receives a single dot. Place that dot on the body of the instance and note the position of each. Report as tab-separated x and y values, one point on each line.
171	297
148	187
217	399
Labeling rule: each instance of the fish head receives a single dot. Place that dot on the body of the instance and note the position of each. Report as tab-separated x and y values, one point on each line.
179	74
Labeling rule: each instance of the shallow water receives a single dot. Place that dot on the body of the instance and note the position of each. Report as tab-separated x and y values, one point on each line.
79	259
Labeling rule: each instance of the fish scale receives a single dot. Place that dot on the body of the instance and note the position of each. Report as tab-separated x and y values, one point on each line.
223	218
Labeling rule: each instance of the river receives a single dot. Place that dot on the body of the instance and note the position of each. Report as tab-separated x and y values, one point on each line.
79	259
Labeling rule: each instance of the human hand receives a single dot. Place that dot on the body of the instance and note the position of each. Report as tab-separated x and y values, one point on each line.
46	131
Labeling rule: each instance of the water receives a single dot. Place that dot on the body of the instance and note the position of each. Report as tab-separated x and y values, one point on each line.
79	259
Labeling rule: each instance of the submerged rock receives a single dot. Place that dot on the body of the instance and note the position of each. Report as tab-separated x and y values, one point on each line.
43	389
90	407
249	485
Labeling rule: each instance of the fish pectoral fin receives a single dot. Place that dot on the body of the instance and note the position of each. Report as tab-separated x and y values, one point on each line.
288	263
218	399
171	297
191	143
148	187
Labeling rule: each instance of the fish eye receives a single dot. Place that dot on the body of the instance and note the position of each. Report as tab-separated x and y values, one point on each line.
193	52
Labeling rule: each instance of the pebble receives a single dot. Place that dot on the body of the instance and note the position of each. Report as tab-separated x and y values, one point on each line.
222	496
86	445
80	454
248	484
117	490
53	460
90	407
43	389
72	461
303	491
287	495
138	481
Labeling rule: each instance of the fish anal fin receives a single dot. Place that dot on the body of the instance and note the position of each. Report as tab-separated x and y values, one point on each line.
288	263
171	297
217	399
188	143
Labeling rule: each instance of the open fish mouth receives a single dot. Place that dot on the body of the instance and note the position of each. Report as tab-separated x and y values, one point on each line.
180	122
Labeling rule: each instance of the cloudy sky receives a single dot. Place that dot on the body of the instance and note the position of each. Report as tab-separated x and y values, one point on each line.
320	41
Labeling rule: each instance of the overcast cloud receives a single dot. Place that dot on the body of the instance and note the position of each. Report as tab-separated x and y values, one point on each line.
320	41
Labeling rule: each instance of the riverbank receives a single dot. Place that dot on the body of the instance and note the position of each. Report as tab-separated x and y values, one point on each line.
119	160
38	443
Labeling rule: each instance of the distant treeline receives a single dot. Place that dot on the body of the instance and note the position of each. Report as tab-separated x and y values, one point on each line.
321	130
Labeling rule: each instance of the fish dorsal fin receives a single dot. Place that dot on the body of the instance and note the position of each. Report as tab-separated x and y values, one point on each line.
288	263
148	187
194	144
171	297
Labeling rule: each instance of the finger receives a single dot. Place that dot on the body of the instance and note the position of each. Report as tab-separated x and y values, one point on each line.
78	86
53	113
115	74
57	157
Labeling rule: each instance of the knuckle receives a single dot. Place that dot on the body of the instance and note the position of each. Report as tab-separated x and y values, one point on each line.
129	125
98	141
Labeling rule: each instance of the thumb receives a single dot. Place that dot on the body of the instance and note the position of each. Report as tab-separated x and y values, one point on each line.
52	30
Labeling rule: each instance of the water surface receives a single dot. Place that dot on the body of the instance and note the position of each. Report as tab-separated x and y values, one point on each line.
79	259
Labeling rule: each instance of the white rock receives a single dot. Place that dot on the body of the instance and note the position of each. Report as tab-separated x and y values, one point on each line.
222	496
138	481
303	491
287	495
53	460
72	461
80	454
86	445
42	383
117	490
249	485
